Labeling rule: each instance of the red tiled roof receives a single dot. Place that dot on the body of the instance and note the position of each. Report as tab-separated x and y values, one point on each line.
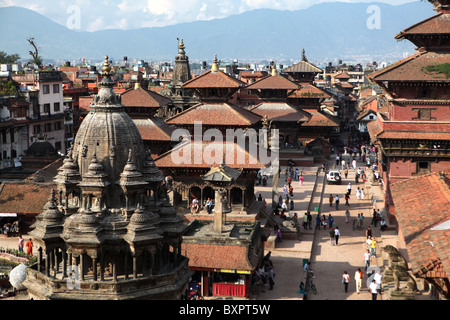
413	68
414	135
278	82
421	204
214	256
439	23
308	90
202	154
319	119
407	130
23	198
154	129
342	76
252	74
210	79
143	98
215	114
281	111
345	85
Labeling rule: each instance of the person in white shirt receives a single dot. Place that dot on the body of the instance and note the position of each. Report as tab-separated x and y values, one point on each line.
337	233
358	280
373	289
367	257
307	268
377	277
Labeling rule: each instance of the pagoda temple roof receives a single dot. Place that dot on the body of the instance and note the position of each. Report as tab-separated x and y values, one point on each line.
308	90
437	24
143	98
303	67
319	119
154	129
427	236
217	114
210	79
222	173
413	68
281	111
273	82
202	154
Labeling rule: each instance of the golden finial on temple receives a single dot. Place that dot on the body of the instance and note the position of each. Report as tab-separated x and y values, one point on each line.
106	67
274	69
215	66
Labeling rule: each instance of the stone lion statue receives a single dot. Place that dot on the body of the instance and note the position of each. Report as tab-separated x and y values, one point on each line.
398	269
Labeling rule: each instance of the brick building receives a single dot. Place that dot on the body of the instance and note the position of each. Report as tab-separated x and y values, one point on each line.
413	132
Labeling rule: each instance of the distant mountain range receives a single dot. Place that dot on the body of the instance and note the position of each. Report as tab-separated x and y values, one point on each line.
326	31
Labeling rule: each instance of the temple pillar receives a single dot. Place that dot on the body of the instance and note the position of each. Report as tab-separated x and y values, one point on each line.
94	268
39	260
102	269
152	263
64	261
134	266
114	268
125	265
81	267
47	262
201	198
66	199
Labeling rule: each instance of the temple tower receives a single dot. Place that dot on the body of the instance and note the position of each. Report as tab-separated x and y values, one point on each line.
112	234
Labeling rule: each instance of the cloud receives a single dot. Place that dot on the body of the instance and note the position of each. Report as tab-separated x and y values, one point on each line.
132	14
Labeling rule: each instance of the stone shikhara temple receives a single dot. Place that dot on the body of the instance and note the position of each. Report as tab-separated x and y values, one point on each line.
108	231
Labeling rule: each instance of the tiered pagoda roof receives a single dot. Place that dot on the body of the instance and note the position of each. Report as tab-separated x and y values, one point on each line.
415	68
281	112
215	114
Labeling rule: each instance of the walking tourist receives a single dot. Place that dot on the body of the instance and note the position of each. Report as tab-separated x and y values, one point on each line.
377	277
373	290
345	280
20	244
373	247
337	234
332	235
367	257
358	280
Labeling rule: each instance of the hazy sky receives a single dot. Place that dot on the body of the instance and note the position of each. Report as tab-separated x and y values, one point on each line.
93	15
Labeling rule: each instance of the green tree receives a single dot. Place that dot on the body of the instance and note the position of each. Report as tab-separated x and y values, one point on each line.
8	58
7	88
